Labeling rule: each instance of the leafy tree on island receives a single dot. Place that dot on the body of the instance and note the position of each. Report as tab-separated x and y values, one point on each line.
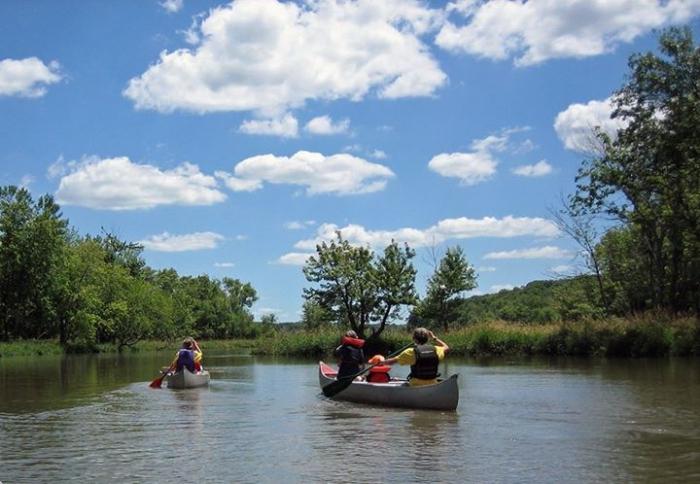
358	288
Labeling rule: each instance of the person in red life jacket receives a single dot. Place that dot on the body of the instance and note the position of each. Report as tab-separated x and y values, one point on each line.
350	355
379	373
189	356
423	357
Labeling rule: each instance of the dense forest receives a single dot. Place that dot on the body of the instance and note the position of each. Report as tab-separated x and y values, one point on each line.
86	290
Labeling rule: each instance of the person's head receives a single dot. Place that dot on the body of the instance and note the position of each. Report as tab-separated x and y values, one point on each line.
421	335
188	343
351	334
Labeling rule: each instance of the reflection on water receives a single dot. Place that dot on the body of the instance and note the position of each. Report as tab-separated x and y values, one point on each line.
264	420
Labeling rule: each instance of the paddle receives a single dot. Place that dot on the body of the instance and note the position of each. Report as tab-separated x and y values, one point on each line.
335	387
159	381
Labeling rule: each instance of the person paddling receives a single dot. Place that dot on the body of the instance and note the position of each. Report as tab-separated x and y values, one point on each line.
350	355
423	357
188	356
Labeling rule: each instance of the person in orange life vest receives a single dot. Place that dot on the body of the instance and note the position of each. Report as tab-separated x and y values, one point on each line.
379	373
350	355
423	357
189	356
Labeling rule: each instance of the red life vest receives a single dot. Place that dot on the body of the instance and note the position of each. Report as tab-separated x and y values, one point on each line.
379	374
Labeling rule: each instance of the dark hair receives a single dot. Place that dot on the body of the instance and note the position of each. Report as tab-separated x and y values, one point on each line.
188	342
420	335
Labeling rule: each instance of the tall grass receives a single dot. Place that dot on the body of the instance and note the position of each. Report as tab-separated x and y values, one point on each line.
30	348
646	335
640	336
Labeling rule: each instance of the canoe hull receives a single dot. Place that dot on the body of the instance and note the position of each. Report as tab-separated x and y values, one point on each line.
444	395
186	379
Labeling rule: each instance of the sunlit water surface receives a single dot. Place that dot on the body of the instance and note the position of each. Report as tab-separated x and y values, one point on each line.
94	419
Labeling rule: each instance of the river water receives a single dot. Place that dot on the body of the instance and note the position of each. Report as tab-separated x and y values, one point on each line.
94	419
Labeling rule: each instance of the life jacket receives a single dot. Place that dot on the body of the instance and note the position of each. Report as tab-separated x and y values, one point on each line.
350	354
427	362
379	374
185	358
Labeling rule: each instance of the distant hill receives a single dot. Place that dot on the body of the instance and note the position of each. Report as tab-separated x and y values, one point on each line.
537	302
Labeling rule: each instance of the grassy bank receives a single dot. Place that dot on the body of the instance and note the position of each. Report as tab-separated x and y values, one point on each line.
635	337
644	336
30	348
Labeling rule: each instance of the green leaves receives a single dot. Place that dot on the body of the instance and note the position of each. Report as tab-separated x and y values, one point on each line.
451	278
649	179
354	286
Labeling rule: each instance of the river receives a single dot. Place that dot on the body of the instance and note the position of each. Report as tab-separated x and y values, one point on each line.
94	419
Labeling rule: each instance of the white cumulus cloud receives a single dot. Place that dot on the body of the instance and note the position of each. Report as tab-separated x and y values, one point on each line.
294	258
546	252
575	125
324	125
285	126
534	31
296	225
541	168
474	167
167	242
27	77
270	56
224	264
447	229
120	184
172	6
340	174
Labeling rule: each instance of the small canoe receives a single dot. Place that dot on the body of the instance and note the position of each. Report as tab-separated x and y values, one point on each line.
444	395
187	379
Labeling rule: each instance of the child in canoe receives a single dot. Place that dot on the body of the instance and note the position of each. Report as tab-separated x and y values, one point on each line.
379	373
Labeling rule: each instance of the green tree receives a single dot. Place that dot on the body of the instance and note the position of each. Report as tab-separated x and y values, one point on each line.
453	276
357	288
314	315
648	177
32	239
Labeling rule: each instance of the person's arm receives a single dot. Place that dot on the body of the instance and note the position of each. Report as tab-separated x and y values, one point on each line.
196	346
439	342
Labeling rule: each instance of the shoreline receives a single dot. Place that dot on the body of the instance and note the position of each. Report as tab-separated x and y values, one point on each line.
632	338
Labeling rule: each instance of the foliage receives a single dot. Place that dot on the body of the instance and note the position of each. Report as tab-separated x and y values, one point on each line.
451	278
90	291
648	178
356	288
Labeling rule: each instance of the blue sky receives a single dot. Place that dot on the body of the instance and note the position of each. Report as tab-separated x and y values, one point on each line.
230	138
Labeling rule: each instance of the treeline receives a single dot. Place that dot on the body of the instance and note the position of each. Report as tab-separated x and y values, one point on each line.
87	290
538	302
647	180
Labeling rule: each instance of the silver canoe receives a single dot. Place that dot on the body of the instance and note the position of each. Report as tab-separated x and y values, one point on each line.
444	395
186	379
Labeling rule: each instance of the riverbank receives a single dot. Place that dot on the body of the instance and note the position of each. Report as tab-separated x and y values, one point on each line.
643	336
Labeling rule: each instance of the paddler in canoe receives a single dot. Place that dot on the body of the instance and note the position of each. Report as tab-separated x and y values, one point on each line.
188	356
350	356
423	357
